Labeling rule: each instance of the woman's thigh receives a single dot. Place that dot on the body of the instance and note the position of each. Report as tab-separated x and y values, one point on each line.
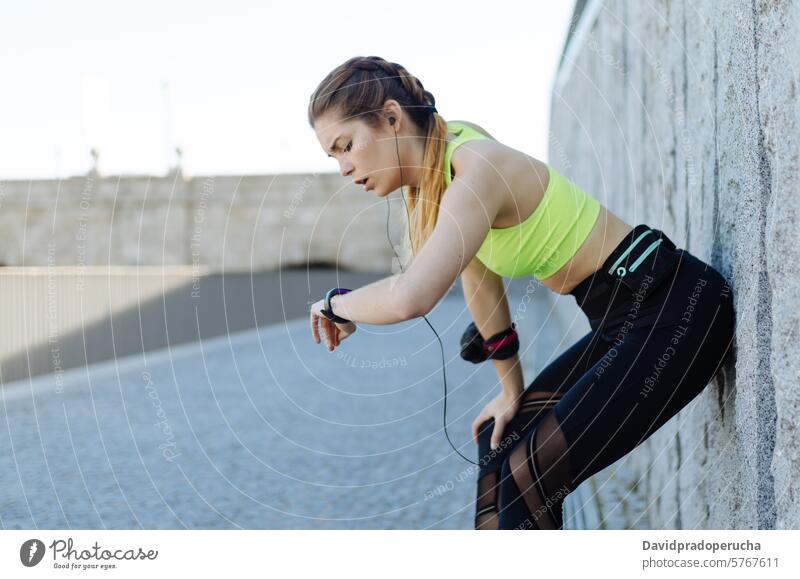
643	376
649	373
539	397
542	394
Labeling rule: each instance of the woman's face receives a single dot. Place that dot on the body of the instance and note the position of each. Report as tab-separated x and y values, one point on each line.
363	152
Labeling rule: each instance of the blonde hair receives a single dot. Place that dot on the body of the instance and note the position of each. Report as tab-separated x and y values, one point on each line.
359	87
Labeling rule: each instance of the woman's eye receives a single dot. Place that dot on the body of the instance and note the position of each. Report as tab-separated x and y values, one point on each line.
348	147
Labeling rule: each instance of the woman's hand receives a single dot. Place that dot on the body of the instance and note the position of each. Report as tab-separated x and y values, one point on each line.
503	408
332	332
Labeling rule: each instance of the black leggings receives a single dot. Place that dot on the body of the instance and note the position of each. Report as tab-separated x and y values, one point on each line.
662	325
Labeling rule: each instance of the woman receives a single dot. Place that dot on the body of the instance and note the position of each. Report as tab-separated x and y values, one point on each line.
662	321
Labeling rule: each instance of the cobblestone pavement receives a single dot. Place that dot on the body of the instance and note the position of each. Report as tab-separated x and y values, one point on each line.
263	429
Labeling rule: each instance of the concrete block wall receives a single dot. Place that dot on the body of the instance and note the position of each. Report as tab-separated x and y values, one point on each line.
684	115
225	223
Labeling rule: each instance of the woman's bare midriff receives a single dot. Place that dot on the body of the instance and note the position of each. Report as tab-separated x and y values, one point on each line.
608	231
528	190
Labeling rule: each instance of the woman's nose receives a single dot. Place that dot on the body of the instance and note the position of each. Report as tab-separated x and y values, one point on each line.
345	169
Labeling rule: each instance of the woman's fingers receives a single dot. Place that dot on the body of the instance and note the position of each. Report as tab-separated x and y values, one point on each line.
314	329
324	329
326	332
476	426
321	333
497	434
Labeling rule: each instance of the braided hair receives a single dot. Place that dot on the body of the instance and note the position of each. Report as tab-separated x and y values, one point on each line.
358	88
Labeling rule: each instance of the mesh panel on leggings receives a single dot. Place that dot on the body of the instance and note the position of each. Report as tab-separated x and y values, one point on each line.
540	467
486	510
532	407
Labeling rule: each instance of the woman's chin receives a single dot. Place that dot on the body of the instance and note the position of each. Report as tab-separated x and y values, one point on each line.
379	191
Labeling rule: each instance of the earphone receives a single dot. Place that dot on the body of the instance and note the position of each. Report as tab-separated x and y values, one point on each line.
441	346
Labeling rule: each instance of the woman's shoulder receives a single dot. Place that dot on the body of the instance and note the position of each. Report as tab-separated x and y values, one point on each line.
520	178
492	149
474	145
476	127
480	154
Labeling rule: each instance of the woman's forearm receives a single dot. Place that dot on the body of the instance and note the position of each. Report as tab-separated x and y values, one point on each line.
509	373
382	302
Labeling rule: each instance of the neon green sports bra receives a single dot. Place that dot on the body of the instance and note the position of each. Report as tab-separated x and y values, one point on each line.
548	238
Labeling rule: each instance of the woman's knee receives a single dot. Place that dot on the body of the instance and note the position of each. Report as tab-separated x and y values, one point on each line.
485	435
512	510
484	442
514	431
491	459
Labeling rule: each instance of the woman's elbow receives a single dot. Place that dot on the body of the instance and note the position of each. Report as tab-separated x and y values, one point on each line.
416	298
419	303
411	307
410	304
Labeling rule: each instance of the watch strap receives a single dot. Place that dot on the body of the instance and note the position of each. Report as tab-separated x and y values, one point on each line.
327	311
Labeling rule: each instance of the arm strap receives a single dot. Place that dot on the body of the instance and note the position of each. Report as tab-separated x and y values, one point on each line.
500	346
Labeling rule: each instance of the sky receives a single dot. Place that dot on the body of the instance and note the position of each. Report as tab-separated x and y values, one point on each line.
229	82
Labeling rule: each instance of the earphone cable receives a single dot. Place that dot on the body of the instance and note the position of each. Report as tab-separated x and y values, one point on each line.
399	262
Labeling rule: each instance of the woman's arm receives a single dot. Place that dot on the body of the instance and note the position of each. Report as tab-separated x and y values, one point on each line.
486	299
381	302
468	209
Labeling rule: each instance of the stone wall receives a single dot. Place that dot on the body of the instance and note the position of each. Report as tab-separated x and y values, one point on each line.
225	223
684	115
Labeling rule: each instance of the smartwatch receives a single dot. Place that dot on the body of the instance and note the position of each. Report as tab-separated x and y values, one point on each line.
327	311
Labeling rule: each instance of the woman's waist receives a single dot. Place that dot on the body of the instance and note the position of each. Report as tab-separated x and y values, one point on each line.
631	277
583	264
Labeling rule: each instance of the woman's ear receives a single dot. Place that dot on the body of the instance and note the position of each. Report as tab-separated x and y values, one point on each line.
391	111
